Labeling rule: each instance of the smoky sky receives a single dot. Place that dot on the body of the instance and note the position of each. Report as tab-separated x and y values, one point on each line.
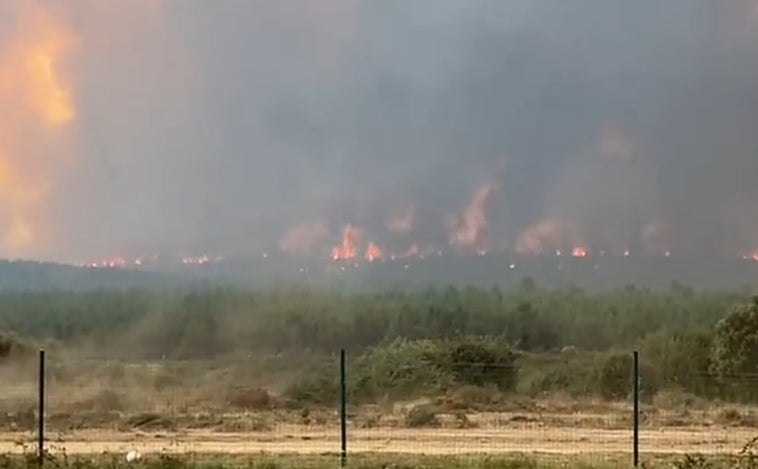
218	126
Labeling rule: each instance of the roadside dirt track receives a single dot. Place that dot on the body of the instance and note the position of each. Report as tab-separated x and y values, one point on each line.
301	440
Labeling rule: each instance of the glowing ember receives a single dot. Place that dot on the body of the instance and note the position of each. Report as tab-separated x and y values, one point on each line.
373	252
579	252
110	263
201	260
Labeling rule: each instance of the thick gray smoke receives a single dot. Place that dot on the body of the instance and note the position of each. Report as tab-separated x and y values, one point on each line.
220	126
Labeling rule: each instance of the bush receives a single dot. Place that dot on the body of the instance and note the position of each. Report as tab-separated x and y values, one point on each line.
321	388
422	416
682	359
405	369
400	369
11	346
615	377
549	373
251	399
479	361
735	352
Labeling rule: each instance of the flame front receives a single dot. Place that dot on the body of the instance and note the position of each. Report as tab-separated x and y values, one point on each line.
349	245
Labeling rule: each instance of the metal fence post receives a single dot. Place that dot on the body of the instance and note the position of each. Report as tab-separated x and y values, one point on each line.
636	397
343	409
41	421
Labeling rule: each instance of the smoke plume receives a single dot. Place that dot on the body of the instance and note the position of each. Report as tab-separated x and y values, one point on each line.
230	128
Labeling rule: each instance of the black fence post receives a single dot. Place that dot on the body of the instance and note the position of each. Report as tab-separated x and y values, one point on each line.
343	409
41	421
636	397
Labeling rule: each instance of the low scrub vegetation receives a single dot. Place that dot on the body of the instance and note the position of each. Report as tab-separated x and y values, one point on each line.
438	343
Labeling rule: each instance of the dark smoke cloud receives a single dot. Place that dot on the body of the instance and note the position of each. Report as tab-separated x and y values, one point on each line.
219	126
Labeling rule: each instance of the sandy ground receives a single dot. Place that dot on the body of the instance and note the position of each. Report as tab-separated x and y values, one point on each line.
303	440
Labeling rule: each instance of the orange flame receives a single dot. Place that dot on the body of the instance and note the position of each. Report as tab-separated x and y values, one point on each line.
373	252
53	102
348	248
579	252
35	103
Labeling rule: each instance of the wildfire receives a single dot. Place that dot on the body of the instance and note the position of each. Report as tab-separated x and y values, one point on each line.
547	234
121	262
201	260
109	263
349	246
470	226
54	103
36	104
579	252
373	252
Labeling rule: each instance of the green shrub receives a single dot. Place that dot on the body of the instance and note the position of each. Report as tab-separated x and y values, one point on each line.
399	369
479	361
735	352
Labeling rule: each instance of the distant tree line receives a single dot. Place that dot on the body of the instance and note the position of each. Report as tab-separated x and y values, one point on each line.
701	342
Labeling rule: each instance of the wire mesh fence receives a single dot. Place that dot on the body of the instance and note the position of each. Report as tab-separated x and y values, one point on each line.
458	406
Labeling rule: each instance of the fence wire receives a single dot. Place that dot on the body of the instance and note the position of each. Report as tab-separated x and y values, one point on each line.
242	406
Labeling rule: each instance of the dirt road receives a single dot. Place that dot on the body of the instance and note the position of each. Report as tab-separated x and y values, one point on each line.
303	440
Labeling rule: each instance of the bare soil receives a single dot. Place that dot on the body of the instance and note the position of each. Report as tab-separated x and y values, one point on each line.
309	440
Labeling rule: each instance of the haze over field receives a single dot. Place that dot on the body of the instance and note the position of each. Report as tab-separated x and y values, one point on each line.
189	127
